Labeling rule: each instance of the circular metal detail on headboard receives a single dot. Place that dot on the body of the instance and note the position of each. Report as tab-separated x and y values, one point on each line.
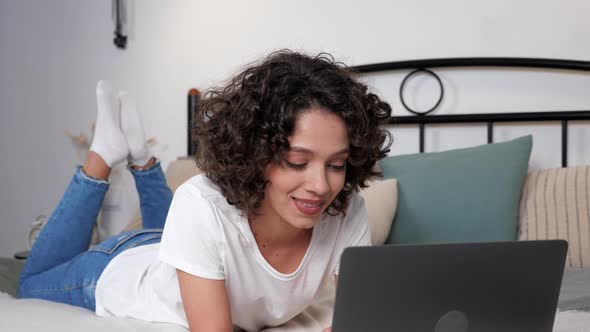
417	71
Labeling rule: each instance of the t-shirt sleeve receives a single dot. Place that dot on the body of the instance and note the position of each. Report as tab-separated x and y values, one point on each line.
356	231
192	236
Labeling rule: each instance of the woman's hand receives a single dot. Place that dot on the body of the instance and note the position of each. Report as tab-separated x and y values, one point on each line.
327	329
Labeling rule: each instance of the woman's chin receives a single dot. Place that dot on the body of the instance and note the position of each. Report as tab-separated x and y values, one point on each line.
304	222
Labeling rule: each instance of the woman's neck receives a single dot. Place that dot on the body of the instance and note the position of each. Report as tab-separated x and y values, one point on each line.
275	231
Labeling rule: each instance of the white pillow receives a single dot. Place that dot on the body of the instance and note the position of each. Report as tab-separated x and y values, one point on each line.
381	200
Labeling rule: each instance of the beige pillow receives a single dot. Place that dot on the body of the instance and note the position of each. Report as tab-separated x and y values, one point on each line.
381	200
178	171
555	205
380	197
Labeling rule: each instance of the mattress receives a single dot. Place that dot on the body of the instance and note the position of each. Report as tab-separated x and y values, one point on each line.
36	315
575	290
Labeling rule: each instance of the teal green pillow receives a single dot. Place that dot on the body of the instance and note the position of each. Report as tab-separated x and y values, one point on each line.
465	195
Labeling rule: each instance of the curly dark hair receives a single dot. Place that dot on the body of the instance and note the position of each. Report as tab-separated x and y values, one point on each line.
244	126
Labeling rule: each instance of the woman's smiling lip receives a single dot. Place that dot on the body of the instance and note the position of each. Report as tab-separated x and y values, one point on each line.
307	206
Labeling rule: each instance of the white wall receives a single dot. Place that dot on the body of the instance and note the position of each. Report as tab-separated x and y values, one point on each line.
53	52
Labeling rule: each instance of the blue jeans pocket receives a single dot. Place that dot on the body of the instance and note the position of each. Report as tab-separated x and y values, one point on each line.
127	240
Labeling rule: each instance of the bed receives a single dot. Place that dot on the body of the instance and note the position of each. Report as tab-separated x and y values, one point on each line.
534	219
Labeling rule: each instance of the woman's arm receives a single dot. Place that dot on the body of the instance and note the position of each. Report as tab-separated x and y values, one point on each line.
205	303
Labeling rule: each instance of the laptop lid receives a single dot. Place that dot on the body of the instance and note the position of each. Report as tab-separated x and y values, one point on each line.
464	287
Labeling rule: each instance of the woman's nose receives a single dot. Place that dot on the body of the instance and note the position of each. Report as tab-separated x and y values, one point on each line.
317	182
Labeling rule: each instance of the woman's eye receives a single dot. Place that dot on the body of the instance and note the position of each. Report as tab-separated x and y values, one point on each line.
338	167
295	165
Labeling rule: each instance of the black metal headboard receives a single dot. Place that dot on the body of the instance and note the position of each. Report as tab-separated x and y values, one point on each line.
422	118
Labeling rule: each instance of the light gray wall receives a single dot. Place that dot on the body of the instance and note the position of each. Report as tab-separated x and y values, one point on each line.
53	52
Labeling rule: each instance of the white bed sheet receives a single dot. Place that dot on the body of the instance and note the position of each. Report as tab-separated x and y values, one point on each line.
30	315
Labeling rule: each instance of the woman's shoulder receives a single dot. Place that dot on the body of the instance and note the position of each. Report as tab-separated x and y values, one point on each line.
356	209
201	188
200	185
356	212
340	231
356	205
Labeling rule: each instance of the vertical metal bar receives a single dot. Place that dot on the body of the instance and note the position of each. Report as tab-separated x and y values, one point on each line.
118	16
421	137
564	143
490	132
193	99
189	143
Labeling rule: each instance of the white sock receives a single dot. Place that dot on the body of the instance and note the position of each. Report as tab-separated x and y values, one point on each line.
108	140
132	127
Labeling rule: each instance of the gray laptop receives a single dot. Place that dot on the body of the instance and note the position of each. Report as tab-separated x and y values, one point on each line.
468	287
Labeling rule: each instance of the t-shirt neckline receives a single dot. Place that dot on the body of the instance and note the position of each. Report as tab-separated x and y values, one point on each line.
266	265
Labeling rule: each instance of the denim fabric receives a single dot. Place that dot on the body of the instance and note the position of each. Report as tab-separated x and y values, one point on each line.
154	195
60	267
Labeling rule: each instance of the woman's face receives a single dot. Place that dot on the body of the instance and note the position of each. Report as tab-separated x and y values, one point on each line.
312	173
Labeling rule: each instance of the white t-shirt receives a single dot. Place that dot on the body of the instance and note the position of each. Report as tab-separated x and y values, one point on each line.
206	237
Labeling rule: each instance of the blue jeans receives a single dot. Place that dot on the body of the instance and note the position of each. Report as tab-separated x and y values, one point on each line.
60	266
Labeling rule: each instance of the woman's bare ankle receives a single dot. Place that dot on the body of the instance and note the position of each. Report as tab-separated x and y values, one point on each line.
149	164
96	167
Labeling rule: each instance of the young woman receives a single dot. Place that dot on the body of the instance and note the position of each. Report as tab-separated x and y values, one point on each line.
284	148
